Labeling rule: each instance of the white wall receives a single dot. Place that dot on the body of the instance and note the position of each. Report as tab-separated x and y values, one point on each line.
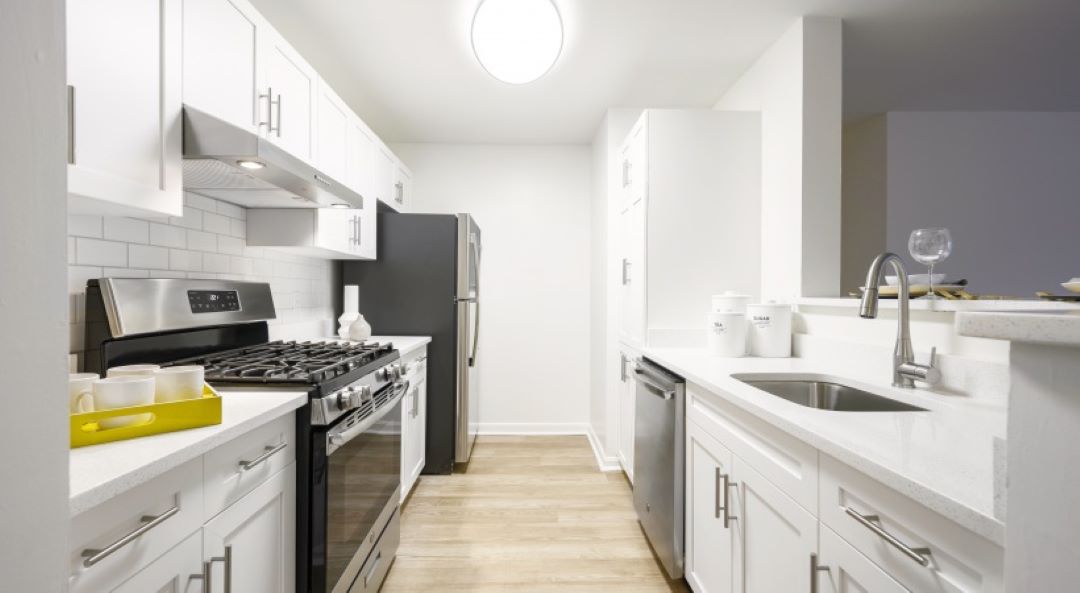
1007	185
207	242
533	206
796	84
33	361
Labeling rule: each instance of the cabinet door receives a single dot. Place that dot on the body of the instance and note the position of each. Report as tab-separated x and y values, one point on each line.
332	133
361	165
775	536
337	229
709	528
178	571
635	153
632	295
124	74
842	569
256	537
626	413
385	170
402	186
413	438
290	84
220	68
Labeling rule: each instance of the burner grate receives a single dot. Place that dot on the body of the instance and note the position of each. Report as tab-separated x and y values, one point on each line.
288	362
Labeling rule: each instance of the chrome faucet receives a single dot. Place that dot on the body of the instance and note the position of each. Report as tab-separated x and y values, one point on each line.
905	370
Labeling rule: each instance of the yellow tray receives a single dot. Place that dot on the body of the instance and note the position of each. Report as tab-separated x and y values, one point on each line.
164	417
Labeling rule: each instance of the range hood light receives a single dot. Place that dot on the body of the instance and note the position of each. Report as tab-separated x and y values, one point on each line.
339	205
251	165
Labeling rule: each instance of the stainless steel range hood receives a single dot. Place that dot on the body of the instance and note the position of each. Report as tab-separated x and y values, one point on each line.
214	150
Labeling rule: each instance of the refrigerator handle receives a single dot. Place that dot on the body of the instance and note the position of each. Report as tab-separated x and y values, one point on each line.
473	253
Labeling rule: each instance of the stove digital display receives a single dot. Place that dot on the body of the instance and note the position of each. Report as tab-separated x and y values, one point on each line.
213	301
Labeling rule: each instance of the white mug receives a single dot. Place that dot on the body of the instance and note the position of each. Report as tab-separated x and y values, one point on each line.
81	392
133	369
177	383
123	392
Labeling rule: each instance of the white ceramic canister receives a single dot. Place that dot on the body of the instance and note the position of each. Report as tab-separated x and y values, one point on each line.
727	334
730	302
770	329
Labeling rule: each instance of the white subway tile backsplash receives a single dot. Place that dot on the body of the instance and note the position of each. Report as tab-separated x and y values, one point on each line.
192	219
128	230
200	241
182	259
164	235
84	226
230	210
215	223
207	242
230	245
215	262
200	202
143	256
95	252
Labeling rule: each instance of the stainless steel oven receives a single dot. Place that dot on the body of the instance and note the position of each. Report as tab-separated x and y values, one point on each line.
356	487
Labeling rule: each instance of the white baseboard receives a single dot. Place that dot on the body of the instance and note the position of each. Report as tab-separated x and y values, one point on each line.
606	463
532	428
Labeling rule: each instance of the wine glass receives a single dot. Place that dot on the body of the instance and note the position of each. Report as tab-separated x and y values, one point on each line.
929	247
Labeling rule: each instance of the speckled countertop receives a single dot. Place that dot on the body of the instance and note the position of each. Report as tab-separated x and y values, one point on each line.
943	458
1041	327
100	472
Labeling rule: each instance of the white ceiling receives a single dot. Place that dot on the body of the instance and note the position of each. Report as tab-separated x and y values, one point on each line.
407	68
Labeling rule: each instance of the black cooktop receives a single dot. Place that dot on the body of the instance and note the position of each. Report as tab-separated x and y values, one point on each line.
306	363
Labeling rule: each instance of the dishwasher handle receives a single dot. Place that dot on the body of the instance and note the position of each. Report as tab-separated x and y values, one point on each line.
651	385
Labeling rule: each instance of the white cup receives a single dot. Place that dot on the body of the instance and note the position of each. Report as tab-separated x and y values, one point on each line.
177	383
123	392
133	369
81	392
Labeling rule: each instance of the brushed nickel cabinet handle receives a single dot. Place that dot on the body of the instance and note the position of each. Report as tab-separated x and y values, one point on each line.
269	452
71	123
919	555
815	568
93	556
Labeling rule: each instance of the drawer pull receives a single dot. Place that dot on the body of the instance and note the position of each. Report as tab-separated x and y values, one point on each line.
920	555
267	454
815	568
92	557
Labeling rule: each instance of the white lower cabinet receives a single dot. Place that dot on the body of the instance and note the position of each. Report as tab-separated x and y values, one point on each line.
856	535
844	570
626	412
178	571
710	526
775	537
414	422
256	538
160	536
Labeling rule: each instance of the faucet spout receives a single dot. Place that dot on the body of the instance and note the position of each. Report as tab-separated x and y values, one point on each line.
903	353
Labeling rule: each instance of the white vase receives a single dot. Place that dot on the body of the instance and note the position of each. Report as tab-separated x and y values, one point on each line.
360	330
345	322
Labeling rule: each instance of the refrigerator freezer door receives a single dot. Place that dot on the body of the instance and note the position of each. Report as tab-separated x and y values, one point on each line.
468	398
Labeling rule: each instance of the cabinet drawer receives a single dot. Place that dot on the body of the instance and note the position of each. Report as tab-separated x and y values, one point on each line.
175	498
379	560
958	561
790	464
265	451
844	570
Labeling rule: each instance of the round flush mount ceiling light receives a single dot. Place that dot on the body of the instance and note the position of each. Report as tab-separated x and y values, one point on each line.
517	41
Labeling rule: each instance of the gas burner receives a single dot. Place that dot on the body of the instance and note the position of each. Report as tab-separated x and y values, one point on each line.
289	362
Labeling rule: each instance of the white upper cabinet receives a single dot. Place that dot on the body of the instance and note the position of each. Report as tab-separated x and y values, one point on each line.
334	120
361	161
335	233
124	106
290	85
221	60
402	193
385	174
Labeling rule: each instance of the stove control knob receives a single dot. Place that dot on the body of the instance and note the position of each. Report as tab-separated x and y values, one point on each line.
382	374
404	369
347	399
363	394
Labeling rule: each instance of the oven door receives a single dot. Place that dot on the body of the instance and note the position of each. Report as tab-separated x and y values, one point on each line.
362	482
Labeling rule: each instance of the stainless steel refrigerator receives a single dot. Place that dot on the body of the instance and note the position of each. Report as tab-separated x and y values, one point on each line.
426	281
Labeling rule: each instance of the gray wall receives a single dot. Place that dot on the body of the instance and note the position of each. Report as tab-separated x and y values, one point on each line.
33	311
1007	184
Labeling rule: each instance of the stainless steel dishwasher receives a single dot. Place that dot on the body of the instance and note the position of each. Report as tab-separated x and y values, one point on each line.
659	461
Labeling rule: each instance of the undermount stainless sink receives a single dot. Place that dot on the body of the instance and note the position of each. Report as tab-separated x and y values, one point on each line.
825	394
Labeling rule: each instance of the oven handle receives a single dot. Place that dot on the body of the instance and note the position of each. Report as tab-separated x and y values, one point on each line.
337	438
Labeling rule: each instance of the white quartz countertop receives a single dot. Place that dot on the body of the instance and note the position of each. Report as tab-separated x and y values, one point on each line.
1042	327
405	344
943	458
100	472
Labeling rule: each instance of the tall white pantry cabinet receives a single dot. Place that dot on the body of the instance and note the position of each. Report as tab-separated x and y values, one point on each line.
688	216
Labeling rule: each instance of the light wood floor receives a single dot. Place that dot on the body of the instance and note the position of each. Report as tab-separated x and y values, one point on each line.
531	514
